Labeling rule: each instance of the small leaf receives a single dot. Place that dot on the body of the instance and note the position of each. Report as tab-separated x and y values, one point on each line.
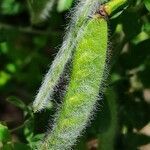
136	140
131	24
147	4
4	133
4	78
29	129
137	55
17	102
40	10
64	5
146	27
37	137
35	140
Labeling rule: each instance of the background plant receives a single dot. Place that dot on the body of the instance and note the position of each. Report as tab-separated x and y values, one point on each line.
25	52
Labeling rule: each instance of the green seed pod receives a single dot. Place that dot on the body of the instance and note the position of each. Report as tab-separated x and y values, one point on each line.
79	20
87	74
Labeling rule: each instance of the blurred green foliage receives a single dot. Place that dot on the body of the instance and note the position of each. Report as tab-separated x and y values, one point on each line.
26	51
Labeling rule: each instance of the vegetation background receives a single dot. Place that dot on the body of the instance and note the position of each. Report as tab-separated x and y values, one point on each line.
26	51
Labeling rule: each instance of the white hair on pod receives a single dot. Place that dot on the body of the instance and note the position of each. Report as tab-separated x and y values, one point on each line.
88	71
79	15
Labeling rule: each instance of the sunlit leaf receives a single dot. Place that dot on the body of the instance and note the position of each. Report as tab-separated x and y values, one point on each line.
4	133
147	4
64	5
10	7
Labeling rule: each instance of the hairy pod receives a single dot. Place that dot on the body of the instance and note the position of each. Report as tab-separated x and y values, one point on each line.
83	91
79	19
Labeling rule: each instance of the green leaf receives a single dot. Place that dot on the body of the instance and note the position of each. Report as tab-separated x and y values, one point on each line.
9	7
17	102
136	56
29	129
40	9
37	137
4	133
35	140
4	78
64	5
131	24
147	4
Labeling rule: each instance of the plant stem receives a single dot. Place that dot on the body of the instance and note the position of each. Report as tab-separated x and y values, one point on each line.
107	139
113	5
